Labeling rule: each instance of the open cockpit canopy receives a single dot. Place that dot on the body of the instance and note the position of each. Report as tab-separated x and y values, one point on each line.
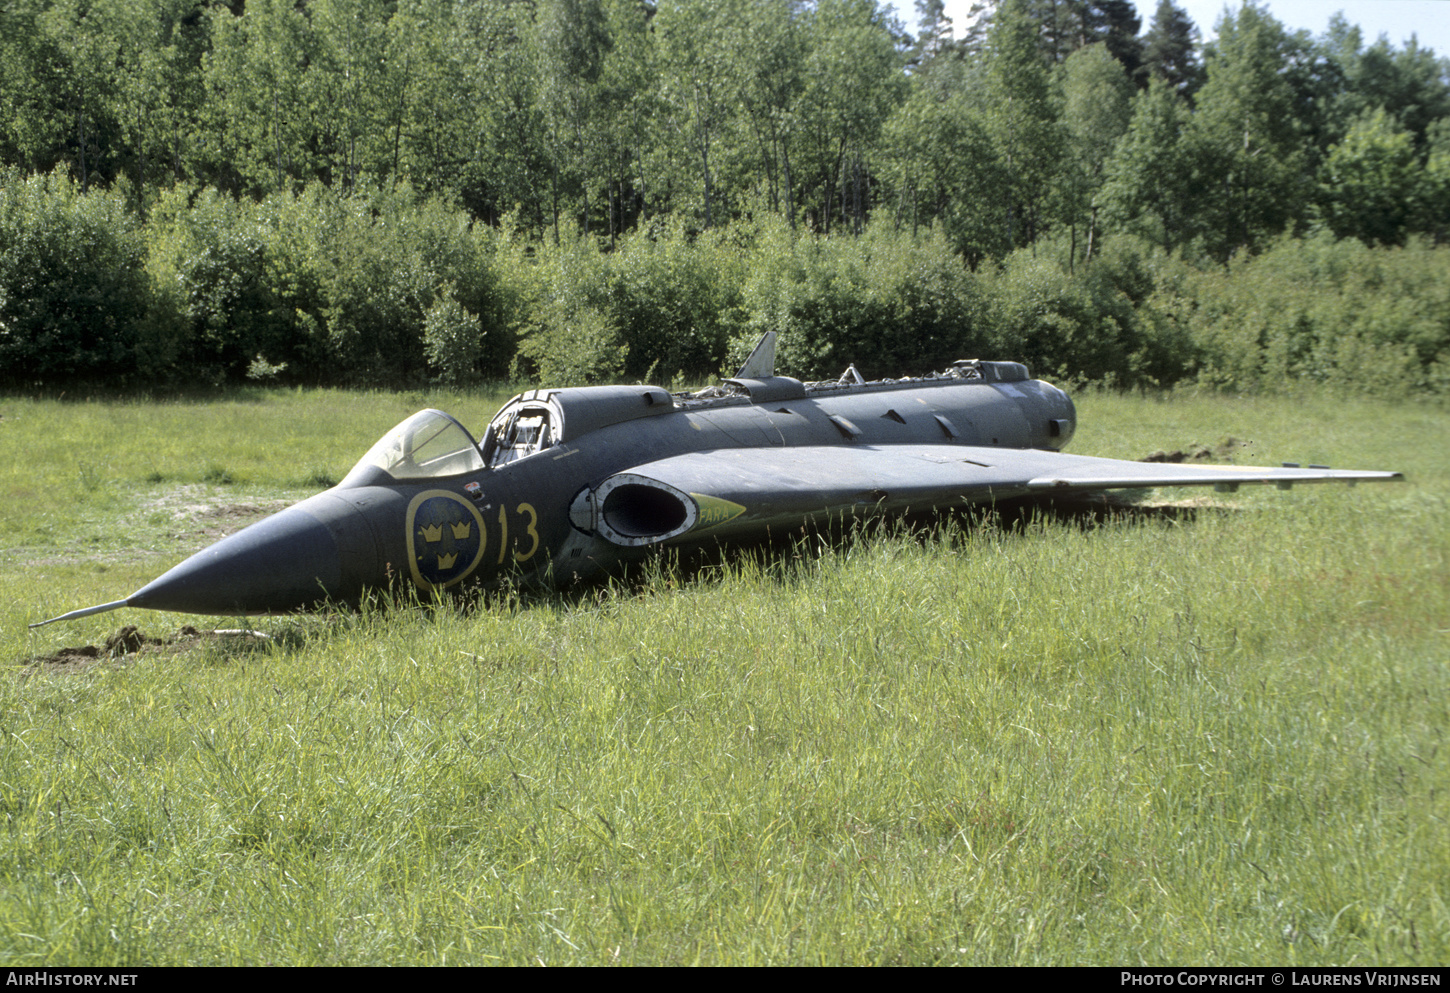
524	426
542	419
427	445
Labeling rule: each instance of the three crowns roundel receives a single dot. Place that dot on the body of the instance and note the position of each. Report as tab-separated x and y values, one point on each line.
445	539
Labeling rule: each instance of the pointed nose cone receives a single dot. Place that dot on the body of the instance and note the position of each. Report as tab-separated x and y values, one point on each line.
321	549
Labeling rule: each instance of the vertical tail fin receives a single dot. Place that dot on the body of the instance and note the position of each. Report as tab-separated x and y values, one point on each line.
761	364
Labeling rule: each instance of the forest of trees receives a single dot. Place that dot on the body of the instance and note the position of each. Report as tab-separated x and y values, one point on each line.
394	190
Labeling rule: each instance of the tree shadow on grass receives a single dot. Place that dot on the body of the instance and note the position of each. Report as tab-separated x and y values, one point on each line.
792	555
789	557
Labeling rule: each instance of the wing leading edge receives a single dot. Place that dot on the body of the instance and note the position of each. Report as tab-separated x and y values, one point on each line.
781	487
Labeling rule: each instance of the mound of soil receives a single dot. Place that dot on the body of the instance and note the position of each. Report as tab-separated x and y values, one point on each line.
1223	451
127	641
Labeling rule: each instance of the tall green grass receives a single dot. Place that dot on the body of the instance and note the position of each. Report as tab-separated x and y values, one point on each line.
1209	736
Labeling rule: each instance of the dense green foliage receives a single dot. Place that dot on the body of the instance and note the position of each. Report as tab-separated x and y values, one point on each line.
360	191
394	289
1211	732
602	114
73	294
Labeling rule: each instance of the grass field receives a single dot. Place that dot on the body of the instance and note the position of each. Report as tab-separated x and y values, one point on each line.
1208	733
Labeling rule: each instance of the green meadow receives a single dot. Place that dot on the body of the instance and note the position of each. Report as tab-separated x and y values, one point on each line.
1186	728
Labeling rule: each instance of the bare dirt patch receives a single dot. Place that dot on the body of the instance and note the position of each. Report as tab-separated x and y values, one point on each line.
218	522
1224	451
128	642
179	521
202	511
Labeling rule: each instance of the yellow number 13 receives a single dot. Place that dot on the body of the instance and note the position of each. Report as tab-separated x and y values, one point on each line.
531	529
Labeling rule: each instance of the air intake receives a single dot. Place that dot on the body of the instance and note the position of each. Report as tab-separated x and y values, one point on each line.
639	511
634	510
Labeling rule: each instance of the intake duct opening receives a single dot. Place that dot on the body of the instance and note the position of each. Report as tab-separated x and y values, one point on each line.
638	511
633	510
